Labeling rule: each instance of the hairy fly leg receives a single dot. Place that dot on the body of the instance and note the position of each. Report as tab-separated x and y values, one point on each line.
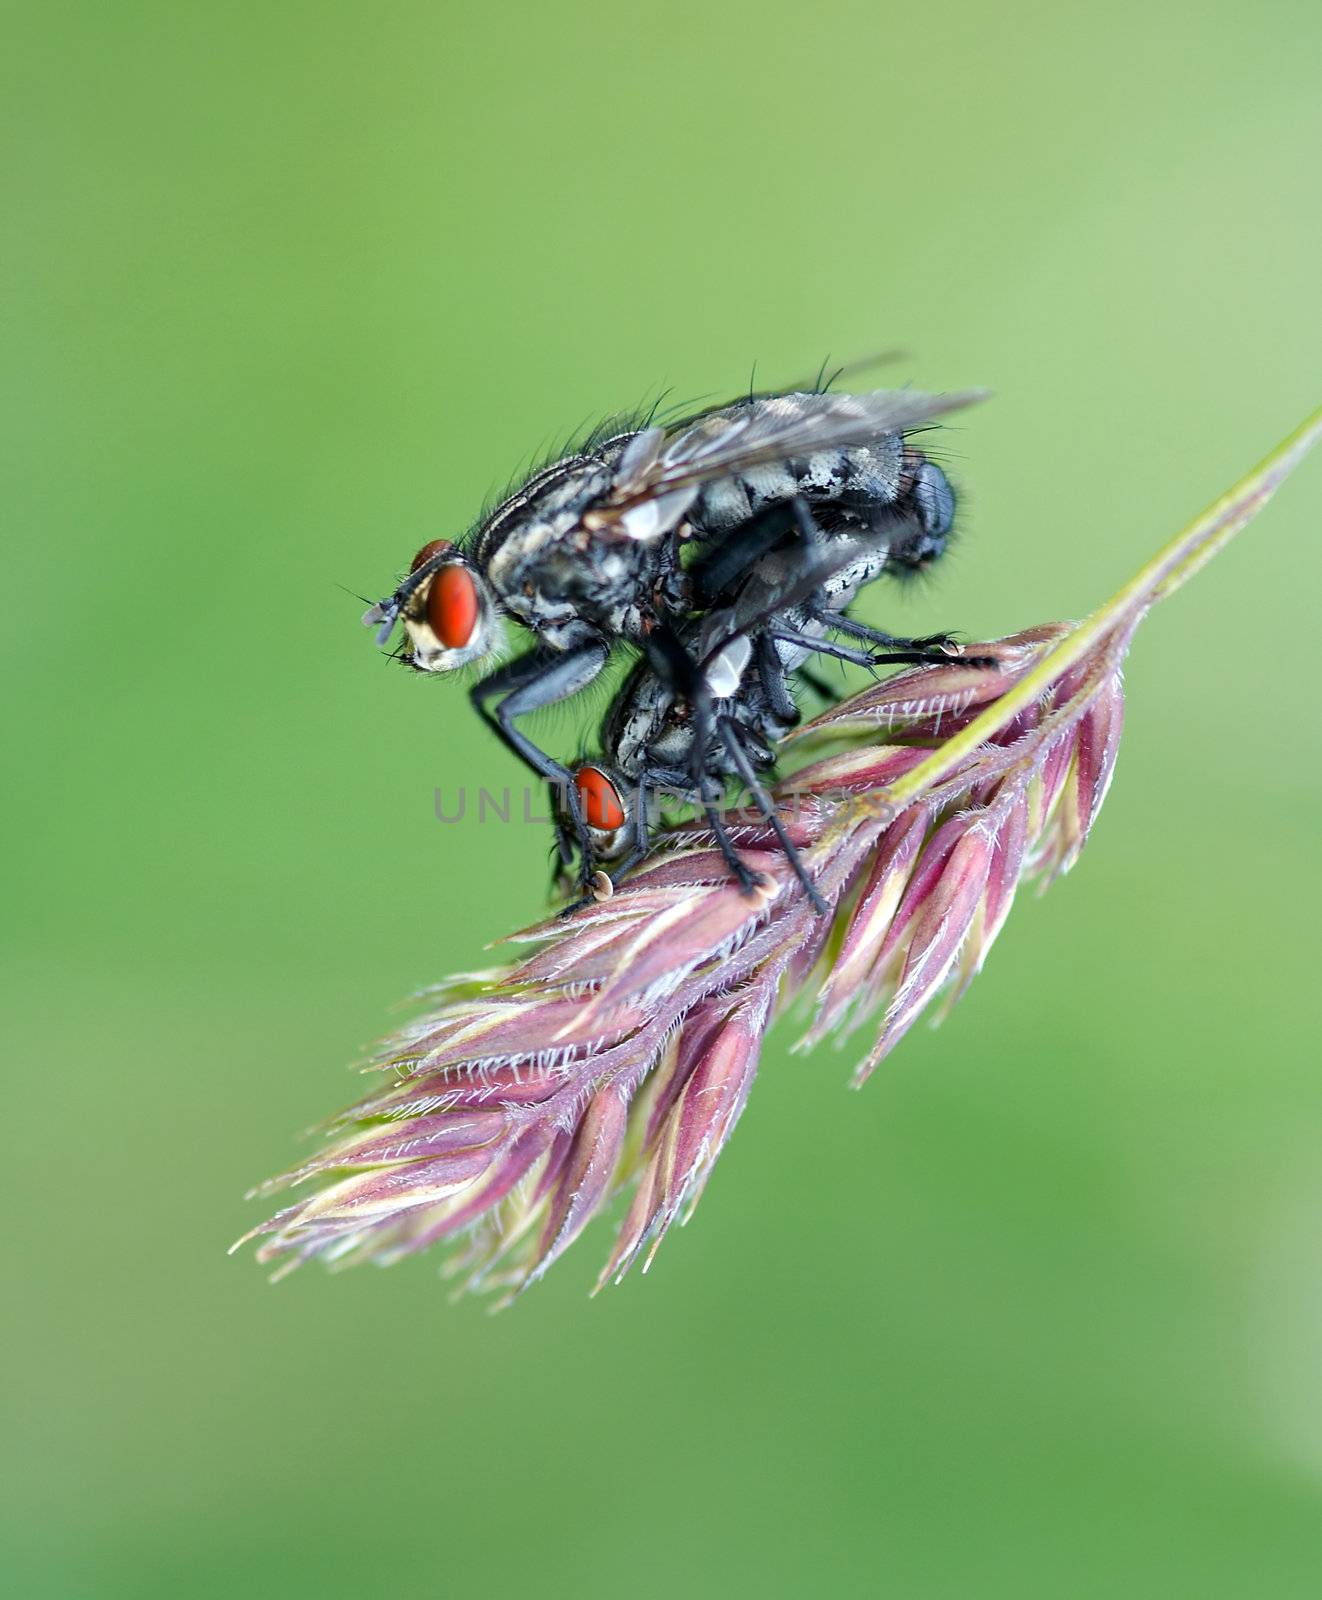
639	828
728	562
538	679
933	647
562	852
732	738
564	845
844	652
771	671
747	880
541	679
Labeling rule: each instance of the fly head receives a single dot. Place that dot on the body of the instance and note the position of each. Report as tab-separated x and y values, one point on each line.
446	608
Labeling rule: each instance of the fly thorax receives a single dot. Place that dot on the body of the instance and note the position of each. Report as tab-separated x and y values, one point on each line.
641	723
873	471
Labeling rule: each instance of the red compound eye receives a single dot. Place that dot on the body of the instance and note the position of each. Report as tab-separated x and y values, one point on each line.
601	799
428	551
452	606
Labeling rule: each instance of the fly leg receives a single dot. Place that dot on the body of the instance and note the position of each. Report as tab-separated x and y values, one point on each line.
841	652
564	845
922	653
771	672
732	738
562	855
539	679
726	564
747	880
935	646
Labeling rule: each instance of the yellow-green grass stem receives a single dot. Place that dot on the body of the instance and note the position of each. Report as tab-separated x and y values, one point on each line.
1172	566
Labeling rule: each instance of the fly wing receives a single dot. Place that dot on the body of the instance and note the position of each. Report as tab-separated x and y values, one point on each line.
661	472
790	426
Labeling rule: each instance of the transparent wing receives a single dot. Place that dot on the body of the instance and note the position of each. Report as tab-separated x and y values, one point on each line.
791	426
662	469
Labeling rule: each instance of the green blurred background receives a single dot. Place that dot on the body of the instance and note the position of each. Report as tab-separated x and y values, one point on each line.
287	288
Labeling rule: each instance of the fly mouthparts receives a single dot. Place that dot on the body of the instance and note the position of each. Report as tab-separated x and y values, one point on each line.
382	617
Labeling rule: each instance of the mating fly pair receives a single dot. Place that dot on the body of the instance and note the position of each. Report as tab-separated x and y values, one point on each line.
725	545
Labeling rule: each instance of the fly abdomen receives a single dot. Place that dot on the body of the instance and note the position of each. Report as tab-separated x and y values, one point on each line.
831	479
886	489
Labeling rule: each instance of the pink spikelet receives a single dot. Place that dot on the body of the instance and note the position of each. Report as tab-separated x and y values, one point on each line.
617	1056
